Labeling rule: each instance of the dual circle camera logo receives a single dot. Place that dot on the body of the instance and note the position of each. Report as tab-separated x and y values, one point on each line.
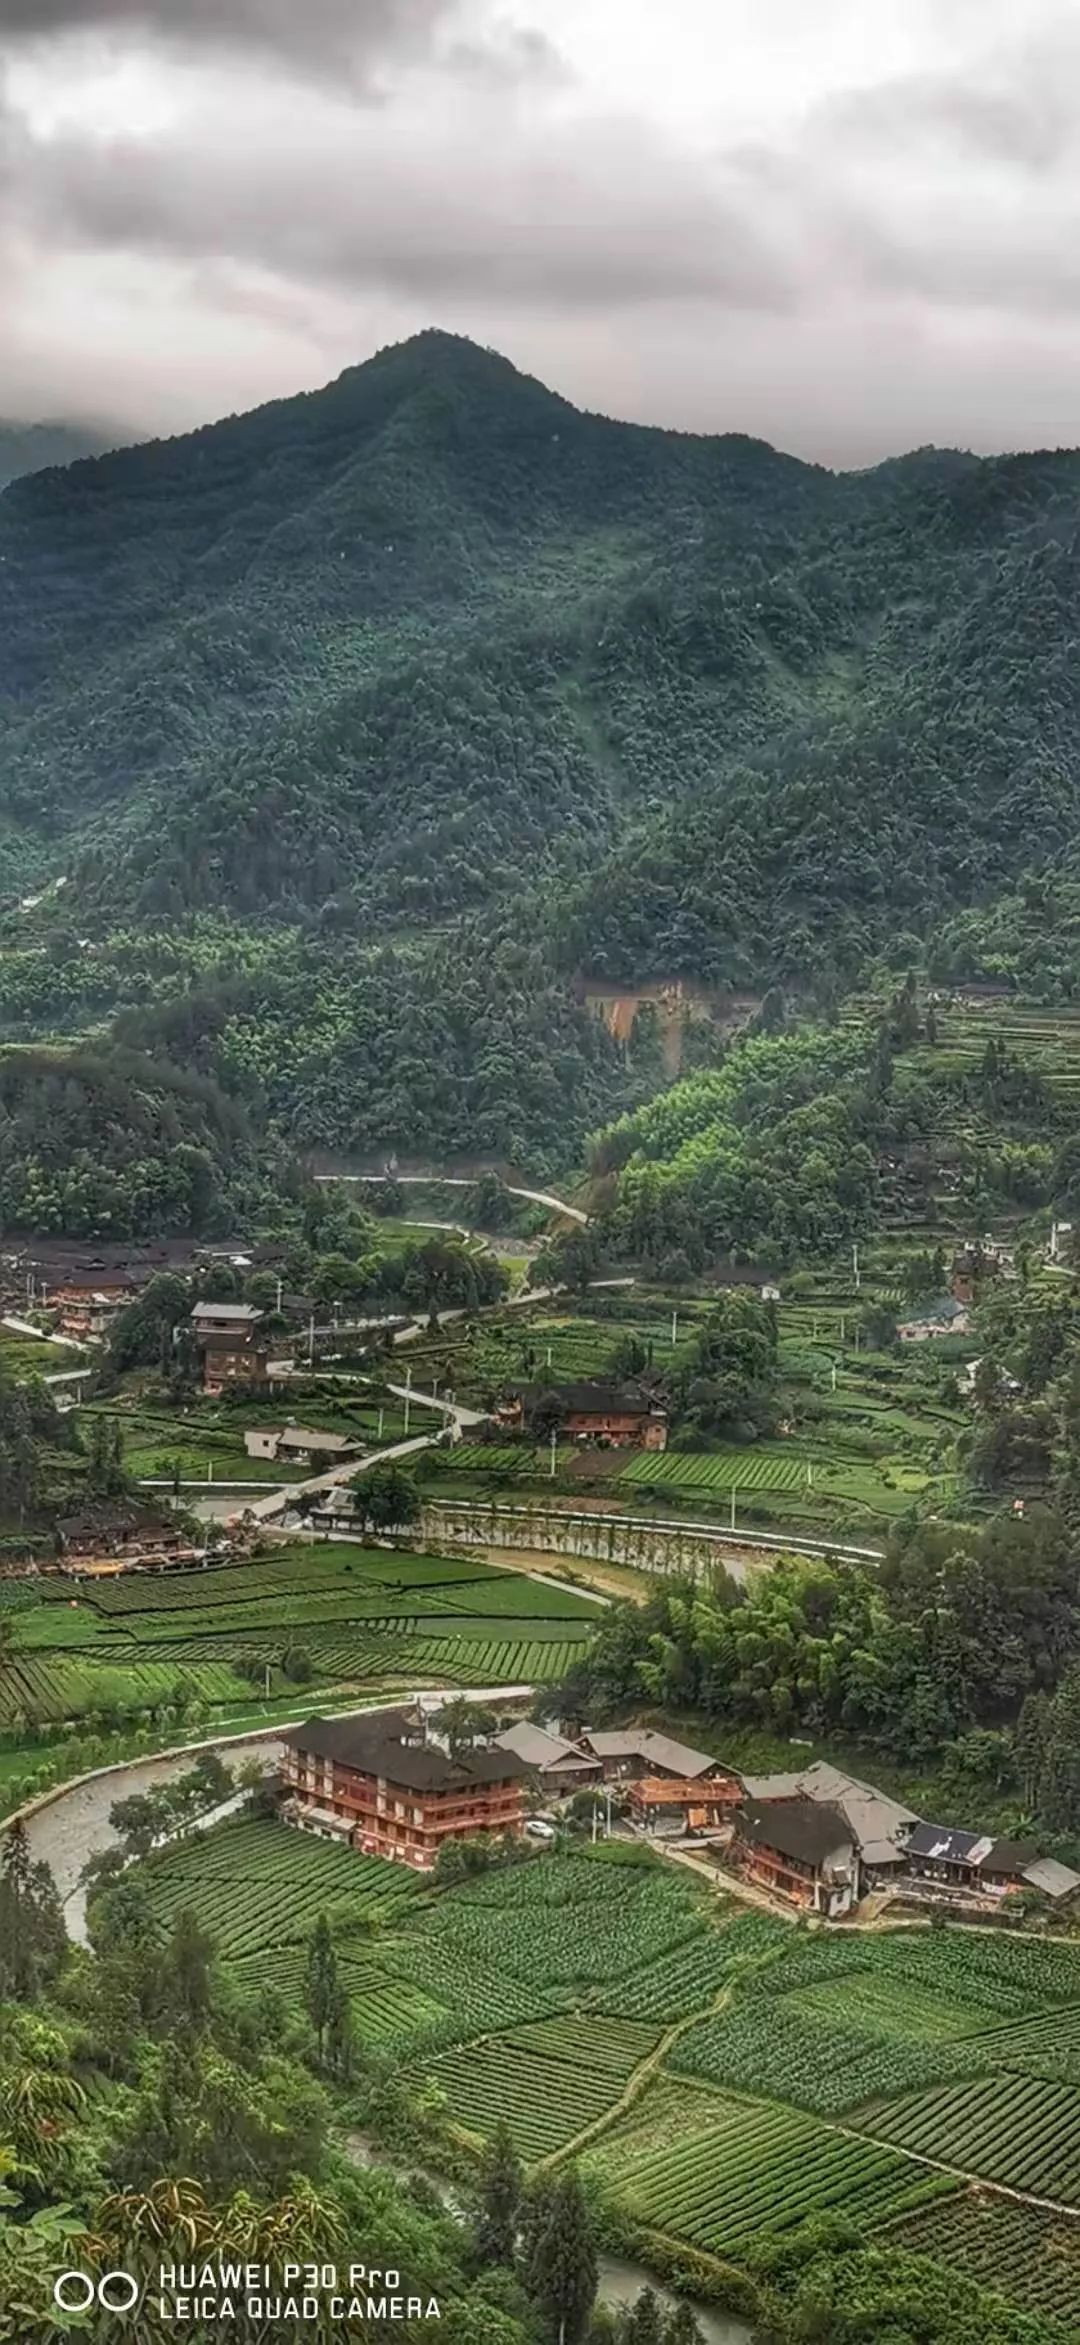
113	2292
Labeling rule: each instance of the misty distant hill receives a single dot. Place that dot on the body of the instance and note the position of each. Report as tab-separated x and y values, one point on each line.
32	447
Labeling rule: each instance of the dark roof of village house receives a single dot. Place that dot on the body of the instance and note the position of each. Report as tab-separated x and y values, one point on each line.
110	1518
806	1829
978	1849
63	1258
586	1399
375	1746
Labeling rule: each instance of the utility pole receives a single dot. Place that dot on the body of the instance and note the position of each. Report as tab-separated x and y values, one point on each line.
855	1267
733	1506
834	1376
311	1340
841	1327
674	1329
280	1292
554	1439
609	1811
382	1413
408	1389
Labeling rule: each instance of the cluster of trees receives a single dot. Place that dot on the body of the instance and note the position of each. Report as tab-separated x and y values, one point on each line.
935	1658
104	1142
168	1809
32	1431
730	1383
33	1940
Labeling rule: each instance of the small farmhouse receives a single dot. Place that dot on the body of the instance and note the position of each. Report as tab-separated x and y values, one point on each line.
299	1444
390	1786
982	1869
672	1787
944	1316
561	1766
616	1416
117	1534
231	1349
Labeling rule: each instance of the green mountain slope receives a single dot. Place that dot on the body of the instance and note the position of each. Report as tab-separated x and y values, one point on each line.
467	693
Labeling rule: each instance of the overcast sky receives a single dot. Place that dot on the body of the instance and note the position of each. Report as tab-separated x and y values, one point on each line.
851	226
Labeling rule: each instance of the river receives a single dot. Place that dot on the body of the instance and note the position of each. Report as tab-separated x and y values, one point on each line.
76	1824
620	2280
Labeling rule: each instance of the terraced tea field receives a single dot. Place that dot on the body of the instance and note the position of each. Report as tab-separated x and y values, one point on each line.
1023	2131
362	1617
547	2082
752	2168
722	2077
258	1887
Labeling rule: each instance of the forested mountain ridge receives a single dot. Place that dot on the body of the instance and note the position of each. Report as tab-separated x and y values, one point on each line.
384	713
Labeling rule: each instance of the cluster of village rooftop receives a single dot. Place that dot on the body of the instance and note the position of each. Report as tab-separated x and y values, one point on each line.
392	1785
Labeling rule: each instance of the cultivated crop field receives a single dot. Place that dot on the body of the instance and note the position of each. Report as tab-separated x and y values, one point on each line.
1028	2253
256	1885
755	2168
362	1617
722	2076
548	2082
38	1689
1023	2131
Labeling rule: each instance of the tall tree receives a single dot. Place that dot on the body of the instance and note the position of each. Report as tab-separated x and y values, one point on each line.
187	1964
500	2200
562	2270
323	1986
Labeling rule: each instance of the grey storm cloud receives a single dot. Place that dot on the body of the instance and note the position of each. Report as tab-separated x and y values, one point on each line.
349	36
615	223
323	174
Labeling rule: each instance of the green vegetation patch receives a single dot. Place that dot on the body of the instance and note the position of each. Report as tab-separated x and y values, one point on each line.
1029	2253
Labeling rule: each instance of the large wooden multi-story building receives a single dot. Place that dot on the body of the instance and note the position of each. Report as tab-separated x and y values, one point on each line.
802	1849
387	1786
232	1350
616	1416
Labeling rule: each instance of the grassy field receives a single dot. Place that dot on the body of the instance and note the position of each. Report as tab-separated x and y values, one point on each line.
23	1355
361	1617
613	2010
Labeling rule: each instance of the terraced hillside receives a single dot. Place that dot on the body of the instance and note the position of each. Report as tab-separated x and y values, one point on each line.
723	2077
361	1618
